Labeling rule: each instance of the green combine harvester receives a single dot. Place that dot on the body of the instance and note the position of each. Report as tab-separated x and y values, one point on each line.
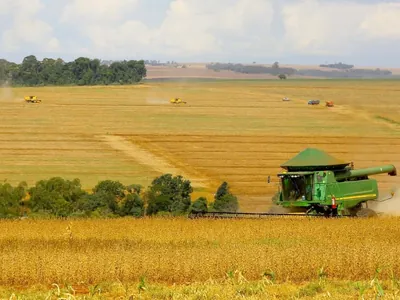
317	184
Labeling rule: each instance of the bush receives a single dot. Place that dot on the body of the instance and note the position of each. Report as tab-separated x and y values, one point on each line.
224	200
11	199
200	205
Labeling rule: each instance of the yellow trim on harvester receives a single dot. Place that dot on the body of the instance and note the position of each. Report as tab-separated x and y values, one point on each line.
357	197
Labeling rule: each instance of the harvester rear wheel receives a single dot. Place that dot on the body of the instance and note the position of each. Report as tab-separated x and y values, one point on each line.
366	213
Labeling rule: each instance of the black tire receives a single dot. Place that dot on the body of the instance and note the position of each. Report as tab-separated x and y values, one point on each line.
366	213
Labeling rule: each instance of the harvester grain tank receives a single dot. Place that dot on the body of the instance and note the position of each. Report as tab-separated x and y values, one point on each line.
317	183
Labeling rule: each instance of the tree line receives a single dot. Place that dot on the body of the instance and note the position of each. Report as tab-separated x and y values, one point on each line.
347	73
167	195
339	70
81	71
275	69
340	66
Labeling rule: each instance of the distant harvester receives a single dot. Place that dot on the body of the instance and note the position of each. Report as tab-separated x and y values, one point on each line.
32	99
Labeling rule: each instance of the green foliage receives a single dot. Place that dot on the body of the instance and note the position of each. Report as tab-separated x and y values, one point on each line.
221	191
133	205
200	205
114	188
11	199
169	194
56	195
81	71
224	200
275	69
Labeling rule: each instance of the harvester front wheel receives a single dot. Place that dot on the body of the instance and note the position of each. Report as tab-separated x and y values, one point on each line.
366	213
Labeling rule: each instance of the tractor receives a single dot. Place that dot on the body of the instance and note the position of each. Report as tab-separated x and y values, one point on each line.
329	103
313	102
32	99
177	101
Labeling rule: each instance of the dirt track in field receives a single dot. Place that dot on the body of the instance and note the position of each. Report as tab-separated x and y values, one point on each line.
145	157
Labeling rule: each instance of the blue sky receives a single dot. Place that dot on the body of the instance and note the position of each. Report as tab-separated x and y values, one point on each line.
365	33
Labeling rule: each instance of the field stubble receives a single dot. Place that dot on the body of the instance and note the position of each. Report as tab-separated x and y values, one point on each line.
239	132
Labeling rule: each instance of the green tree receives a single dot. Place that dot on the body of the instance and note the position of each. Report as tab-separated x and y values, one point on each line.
200	205
112	198
115	188
224	200
11	199
169	194
133	205
56	196
81	71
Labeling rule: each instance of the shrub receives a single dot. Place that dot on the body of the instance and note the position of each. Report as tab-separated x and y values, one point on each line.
200	205
224	200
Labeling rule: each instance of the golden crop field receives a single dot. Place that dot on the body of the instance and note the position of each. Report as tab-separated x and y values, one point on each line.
194	257
234	131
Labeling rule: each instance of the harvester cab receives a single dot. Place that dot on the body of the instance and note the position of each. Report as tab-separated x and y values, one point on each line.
317	183
32	99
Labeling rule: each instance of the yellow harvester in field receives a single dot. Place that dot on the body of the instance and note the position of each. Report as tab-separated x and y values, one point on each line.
32	99
177	101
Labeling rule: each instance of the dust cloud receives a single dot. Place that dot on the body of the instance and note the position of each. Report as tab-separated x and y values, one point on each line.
156	101
6	92
389	207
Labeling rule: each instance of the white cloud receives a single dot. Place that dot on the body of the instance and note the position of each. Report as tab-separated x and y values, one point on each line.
383	22
89	11
191	27
200	28
21	7
26	28
315	27
206	27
